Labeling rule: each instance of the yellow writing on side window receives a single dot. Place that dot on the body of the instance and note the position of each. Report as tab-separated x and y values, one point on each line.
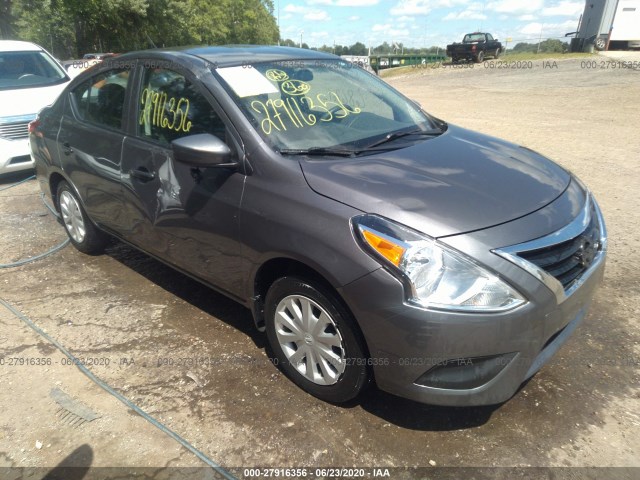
161	111
296	111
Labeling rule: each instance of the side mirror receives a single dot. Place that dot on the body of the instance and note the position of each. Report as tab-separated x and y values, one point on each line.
202	150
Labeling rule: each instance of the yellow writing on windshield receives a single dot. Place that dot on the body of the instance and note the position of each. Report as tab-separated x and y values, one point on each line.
295	87
301	111
276	75
161	111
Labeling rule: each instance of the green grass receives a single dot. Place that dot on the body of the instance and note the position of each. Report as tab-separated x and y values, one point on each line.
507	57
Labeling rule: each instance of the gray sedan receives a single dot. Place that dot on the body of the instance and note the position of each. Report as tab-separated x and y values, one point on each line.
373	242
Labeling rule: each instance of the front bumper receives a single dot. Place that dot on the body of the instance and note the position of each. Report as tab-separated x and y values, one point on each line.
15	154
465	359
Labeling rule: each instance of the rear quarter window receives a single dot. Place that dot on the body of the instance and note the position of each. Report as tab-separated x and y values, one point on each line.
100	100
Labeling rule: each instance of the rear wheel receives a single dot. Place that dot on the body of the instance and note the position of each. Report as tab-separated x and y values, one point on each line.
84	235
601	43
480	57
315	339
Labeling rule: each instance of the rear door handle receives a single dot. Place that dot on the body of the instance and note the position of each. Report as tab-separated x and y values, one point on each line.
142	174
67	150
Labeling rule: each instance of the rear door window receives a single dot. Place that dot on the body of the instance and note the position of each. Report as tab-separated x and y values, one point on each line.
100	100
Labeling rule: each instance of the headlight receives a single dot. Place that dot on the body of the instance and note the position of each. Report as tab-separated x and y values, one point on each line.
436	276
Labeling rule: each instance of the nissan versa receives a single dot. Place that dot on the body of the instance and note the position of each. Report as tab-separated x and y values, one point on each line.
372	241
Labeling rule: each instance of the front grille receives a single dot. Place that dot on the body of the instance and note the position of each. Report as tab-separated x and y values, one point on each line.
568	260
14	131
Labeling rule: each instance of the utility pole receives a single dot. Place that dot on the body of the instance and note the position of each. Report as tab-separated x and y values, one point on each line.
540	39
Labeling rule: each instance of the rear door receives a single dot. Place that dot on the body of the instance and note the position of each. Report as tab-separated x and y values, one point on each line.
186	216
90	143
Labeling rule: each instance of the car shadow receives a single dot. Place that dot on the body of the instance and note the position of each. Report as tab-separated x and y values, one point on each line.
7	179
195	293
418	416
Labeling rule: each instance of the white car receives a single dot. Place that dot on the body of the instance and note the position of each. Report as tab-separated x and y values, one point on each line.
30	79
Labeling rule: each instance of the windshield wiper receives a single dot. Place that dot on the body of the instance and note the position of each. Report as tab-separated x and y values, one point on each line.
344	152
395	135
338	152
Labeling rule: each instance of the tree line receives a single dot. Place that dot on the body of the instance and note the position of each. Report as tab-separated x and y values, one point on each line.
360	49
71	28
546	46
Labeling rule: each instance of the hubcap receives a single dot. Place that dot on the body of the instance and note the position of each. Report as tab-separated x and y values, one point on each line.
310	339
72	217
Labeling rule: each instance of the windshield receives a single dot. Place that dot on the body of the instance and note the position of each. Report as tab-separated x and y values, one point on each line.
473	37
28	69
321	104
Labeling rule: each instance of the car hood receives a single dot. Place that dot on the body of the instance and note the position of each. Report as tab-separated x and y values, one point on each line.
26	101
458	182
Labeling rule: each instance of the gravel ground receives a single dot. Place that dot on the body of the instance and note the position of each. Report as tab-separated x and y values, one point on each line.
144	324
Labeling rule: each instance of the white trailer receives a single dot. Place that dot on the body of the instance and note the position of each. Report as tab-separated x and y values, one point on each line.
610	24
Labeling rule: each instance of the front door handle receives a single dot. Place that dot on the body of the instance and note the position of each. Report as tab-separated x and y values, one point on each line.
67	150
142	174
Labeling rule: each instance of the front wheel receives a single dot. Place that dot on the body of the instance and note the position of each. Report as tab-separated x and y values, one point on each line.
84	235
497	54
601	43
315	340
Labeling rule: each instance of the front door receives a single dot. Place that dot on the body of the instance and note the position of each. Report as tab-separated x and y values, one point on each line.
186	216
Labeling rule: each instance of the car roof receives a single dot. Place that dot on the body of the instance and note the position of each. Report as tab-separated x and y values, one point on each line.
230	55
18	46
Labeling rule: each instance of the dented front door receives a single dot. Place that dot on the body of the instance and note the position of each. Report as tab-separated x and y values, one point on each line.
186	216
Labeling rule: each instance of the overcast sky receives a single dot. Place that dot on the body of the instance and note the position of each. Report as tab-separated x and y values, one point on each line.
420	23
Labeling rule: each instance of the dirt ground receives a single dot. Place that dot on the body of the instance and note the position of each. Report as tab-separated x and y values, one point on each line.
192	359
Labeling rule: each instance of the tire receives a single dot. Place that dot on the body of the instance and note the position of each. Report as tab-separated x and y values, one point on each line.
84	235
497	54
338	370
454	60
480	57
600	43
